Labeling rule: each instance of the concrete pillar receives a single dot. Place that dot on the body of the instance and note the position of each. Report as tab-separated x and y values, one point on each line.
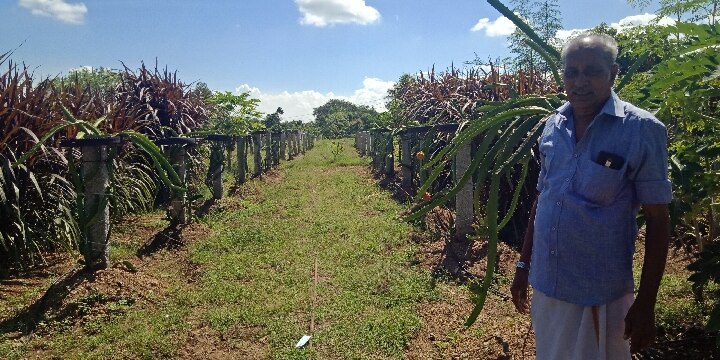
229	154
241	151
178	202
296	142
368	143
268	150
275	149
406	161
291	144
257	157
95	176
389	159
464	212
283	140
217	166
378	151
301	141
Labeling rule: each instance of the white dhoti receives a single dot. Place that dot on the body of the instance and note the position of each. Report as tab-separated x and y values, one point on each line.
569	331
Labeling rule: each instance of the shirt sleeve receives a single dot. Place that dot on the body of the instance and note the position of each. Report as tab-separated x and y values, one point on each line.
650	177
543	157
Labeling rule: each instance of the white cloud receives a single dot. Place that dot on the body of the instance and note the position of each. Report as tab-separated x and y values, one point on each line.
640	20
622	24
372	93
327	12
502	26
299	105
59	9
565	35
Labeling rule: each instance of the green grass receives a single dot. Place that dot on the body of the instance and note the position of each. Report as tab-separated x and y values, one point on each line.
256	272
676	304
260	267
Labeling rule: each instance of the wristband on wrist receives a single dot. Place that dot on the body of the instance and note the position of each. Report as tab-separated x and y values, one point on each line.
522	265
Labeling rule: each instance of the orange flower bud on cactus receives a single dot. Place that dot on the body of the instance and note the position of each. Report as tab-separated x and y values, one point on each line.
426	196
420	155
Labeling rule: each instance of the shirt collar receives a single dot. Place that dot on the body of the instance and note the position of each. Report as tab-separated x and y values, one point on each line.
613	107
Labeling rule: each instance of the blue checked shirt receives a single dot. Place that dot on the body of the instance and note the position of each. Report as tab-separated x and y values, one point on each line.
585	226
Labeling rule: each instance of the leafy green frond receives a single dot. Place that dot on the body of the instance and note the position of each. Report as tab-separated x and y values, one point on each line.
632	71
492	224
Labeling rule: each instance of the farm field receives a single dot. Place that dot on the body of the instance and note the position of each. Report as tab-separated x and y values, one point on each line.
313	248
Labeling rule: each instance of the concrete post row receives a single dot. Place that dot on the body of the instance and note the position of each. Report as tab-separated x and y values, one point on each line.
410	167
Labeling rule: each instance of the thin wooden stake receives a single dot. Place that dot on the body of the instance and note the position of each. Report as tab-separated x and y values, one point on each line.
314	298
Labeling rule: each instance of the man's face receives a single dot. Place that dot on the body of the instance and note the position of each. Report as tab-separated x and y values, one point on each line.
588	78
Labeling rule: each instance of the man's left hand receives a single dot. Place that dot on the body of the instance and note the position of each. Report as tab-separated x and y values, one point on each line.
640	326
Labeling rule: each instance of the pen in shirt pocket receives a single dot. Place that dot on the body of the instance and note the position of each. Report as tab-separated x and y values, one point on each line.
609	160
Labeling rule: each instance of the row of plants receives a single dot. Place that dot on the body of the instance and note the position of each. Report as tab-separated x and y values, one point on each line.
670	70
40	183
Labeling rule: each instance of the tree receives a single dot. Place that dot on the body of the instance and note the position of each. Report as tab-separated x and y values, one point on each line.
395	107
544	17
233	114
272	121
202	91
103	81
547	21
525	57
340	118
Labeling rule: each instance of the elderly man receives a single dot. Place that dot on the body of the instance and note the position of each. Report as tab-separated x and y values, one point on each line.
602	159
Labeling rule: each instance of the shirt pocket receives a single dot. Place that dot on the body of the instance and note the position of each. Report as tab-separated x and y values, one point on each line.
599	184
547	151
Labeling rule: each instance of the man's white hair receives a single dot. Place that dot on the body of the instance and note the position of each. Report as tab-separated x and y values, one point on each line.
606	43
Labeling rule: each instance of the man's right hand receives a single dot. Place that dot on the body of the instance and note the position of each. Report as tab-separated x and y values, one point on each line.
519	291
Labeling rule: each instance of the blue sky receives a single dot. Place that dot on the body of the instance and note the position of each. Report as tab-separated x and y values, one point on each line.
294	54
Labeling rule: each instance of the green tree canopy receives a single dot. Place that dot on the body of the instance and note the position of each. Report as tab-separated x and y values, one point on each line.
340	118
234	114
101	80
272	121
545	18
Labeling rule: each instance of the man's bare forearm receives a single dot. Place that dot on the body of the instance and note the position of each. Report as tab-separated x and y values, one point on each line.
657	238
526	252
519	287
